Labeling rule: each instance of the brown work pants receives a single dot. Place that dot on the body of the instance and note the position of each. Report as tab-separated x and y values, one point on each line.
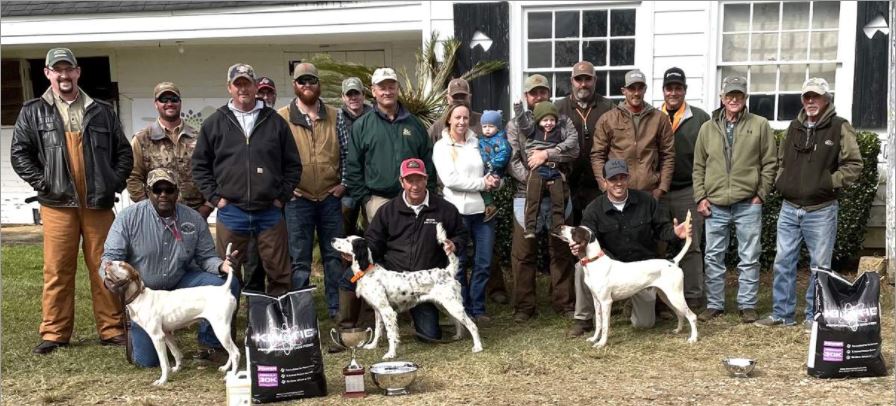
273	249
523	264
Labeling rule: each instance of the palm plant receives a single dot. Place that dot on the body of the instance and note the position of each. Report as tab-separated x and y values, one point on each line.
423	97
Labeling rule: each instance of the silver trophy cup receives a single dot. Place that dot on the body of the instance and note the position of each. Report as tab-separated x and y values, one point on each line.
352	338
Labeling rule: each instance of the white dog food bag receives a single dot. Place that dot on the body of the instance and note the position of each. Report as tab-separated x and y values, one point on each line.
845	341
283	346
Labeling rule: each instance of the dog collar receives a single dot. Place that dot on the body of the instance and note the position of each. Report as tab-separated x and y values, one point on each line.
360	274
128	300
586	261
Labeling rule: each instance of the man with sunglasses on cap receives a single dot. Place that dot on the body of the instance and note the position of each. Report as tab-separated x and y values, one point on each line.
171	247
247	165
70	148
167	143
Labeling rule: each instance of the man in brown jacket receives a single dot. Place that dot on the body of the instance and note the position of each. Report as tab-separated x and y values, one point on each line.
638	134
317	200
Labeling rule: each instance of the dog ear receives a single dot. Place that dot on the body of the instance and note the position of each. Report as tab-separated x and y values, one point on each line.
359	250
581	235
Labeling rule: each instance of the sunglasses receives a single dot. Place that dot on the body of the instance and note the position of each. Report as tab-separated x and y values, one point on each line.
308	80
158	190
168	99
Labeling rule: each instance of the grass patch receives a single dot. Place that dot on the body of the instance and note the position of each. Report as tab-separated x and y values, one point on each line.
521	364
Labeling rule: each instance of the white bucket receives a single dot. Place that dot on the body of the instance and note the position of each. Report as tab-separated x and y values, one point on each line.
239	389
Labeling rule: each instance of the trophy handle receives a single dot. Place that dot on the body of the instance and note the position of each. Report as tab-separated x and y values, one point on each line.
333	335
370	336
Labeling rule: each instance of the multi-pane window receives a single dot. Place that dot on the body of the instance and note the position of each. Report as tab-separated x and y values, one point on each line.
557	39
777	46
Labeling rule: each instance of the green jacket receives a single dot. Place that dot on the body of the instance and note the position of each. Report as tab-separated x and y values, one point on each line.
748	171
376	149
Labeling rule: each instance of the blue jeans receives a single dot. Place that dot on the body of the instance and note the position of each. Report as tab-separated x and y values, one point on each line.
473	291
747	221
303	217
543	221
143	350
244	222
819	230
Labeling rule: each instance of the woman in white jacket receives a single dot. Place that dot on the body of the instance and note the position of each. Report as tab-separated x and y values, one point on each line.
461	171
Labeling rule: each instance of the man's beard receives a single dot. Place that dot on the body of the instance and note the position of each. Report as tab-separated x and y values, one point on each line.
583	94
309	99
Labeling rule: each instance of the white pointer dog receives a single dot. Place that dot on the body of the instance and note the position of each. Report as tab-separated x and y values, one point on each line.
384	289
610	280
161	312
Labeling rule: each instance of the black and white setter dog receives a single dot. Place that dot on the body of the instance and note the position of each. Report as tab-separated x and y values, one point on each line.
389	291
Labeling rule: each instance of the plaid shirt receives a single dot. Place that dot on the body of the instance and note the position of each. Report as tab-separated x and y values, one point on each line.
343	132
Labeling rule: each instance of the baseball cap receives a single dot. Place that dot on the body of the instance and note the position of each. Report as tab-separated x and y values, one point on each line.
674	75
817	86
413	166
165	87
615	167
458	86
536	81
304	69
352	83
634	76
57	55
159	174
583	68
240	70
383	74
265	81
734	84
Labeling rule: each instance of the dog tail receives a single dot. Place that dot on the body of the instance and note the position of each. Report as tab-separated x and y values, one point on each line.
687	242
441	237
229	279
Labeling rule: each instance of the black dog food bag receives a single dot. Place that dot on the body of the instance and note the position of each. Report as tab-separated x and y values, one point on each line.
283	347
845	340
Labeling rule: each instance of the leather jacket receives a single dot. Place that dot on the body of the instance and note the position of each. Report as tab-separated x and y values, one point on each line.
40	157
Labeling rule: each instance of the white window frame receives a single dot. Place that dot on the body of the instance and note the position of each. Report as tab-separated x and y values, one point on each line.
845	59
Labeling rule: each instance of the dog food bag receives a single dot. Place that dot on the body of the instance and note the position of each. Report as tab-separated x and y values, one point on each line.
283	347
845	340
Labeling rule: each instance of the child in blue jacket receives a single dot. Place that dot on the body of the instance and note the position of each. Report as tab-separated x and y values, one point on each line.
495	151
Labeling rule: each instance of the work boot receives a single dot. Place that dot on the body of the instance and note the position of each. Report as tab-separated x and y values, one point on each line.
579	328
349	305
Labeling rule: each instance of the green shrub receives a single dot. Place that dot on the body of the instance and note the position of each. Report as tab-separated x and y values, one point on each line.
852	218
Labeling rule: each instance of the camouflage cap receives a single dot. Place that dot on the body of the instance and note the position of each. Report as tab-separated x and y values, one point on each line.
352	83
535	81
240	70
159	174
816	85
165	87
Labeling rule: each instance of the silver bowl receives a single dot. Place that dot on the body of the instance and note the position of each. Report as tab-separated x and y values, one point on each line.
394	377
739	367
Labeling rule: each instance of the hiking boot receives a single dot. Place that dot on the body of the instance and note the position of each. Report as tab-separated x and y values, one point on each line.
210	356
568	314
499	297
46	346
710	314
748	316
482	320
772	321
117	341
521	317
579	328
490	212
694	304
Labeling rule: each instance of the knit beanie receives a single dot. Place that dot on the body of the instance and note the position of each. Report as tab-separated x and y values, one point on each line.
544	109
492	117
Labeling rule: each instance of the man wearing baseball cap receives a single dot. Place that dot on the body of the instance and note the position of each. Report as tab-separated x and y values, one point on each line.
640	135
267	91
734	171
70	148
412	216
380	140
458	92
247	165
818	158
353	107
523	250
167	143
166	242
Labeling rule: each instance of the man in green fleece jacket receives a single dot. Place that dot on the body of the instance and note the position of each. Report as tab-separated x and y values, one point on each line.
818	158
734	170
380	140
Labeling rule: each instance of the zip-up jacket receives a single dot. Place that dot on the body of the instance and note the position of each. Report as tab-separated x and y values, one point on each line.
40	157
581	177
249	172
685	137
643	140
815	163
403	241
318	146
376	150
749	169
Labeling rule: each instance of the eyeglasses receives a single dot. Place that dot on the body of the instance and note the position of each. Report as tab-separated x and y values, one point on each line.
158	190
60	71
168	99
734	97
307	81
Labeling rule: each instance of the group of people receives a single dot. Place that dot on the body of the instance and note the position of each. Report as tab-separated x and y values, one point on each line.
278	178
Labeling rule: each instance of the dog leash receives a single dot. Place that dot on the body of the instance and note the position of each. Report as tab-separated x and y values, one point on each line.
361	274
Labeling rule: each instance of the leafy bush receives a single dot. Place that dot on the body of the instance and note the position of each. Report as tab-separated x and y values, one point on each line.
852	218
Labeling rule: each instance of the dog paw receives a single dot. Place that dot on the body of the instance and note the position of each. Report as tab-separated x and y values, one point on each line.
175	368
223	368
389	355
591	339
676	331
159	382
477	348
599	345
371	346
692	340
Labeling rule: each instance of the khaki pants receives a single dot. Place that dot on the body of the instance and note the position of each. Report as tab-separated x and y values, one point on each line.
373	205
63	229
